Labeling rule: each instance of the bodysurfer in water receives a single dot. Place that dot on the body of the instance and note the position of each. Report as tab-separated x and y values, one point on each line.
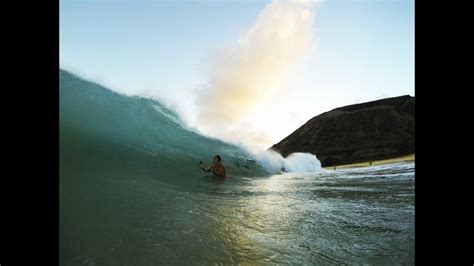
216	168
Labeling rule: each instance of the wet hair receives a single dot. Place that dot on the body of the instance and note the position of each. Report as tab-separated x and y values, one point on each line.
218	157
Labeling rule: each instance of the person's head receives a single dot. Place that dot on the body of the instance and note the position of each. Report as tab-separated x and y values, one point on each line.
216	159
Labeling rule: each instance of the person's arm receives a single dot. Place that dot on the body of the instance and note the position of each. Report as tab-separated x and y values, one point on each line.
204	169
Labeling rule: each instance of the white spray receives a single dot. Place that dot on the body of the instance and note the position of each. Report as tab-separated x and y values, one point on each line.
245	75
296	162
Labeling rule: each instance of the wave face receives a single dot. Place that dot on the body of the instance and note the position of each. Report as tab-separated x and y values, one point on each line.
102	132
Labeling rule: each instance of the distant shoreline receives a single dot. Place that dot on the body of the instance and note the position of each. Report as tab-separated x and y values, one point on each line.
407	158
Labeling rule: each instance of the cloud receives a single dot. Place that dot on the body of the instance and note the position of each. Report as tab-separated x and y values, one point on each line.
242	76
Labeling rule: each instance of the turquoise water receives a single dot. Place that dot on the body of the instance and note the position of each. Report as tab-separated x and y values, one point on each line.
131	193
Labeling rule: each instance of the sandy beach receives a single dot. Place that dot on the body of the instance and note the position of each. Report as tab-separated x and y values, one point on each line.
406	158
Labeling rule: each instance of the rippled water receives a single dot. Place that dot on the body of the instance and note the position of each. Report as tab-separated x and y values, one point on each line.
363	215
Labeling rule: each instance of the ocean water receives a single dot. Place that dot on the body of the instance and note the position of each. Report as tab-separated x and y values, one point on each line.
131	193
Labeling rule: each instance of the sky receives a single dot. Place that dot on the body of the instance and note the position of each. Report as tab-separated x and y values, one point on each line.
225	67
